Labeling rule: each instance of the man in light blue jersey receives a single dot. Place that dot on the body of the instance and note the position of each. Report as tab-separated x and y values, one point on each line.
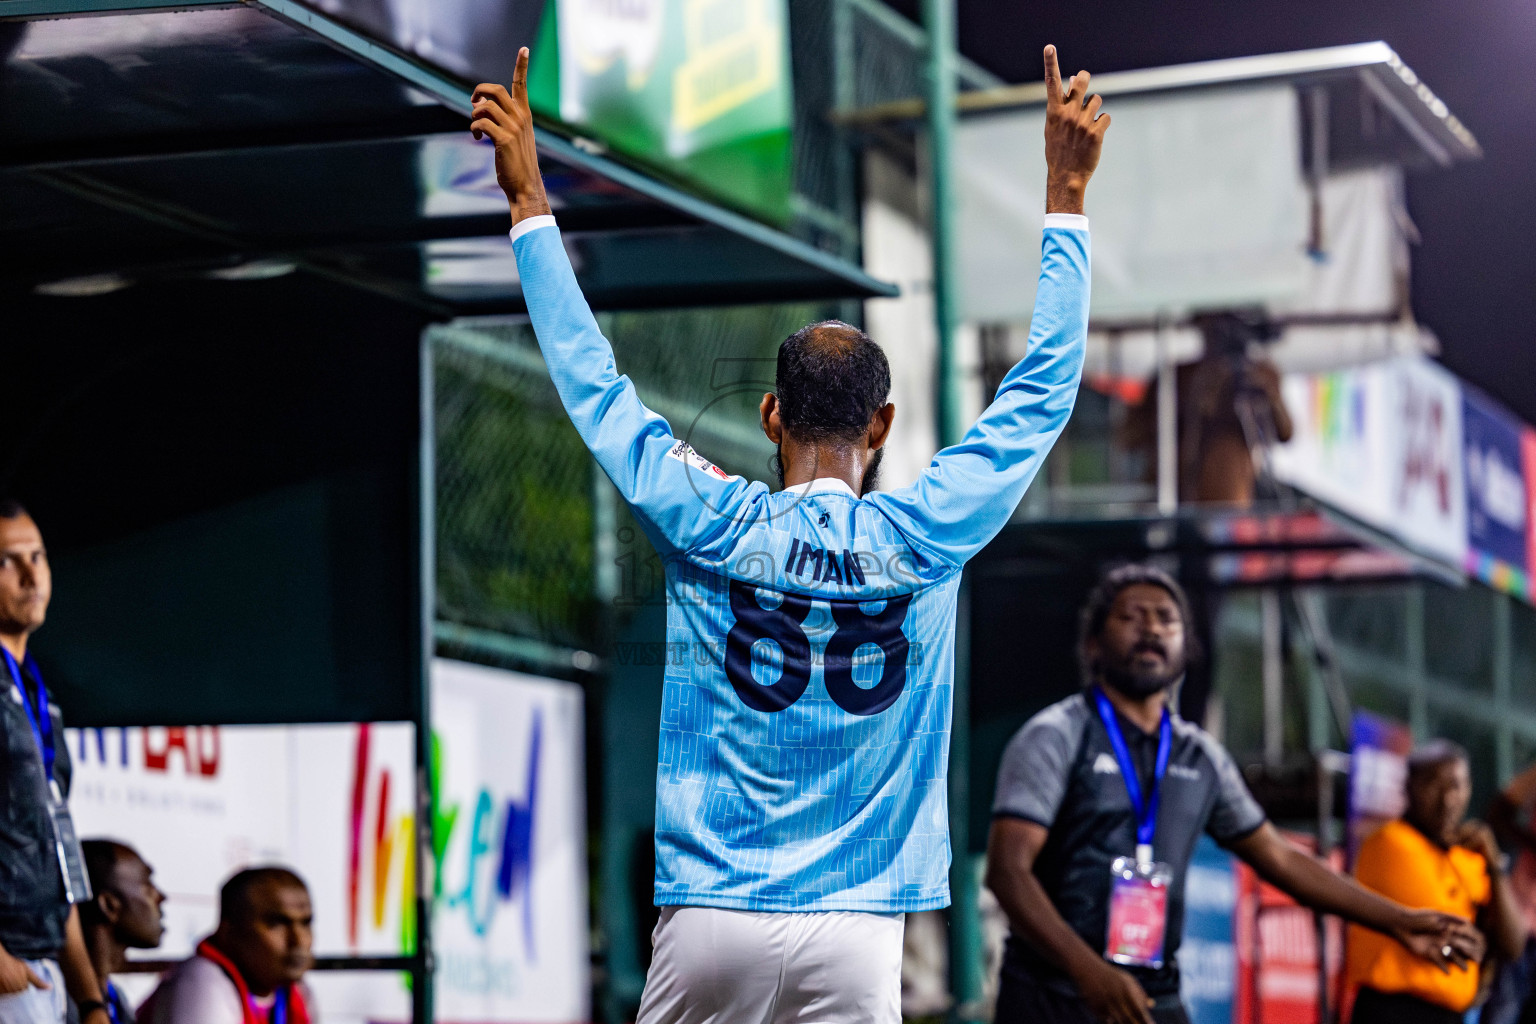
800	795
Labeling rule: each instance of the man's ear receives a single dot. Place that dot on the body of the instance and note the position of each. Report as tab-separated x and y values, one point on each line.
880	426
769	411
110	905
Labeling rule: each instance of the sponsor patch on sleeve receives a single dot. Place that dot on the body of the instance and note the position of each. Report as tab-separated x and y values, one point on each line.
683	452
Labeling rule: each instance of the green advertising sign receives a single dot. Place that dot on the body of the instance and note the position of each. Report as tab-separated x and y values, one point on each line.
697	88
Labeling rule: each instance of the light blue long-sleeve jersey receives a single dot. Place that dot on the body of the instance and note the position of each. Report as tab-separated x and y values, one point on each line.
805	731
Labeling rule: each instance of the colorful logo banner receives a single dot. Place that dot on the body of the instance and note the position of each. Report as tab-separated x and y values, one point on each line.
1497	497
510	926
1383	443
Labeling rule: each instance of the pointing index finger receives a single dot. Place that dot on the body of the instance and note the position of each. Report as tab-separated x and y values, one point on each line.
520	77
1052	78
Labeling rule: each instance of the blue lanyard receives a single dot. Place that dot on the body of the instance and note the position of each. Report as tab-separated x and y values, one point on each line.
1145	808
114	999
279	1013
37	714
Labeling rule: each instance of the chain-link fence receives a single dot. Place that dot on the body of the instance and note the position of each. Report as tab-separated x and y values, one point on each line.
519	498
848	54
514	486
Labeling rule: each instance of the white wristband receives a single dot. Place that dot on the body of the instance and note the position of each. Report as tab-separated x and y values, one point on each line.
543	220
1071	221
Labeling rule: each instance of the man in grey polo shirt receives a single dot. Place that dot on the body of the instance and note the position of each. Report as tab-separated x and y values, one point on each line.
1100	799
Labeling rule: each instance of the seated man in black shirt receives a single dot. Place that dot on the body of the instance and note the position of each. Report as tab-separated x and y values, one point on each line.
122	914
1100	799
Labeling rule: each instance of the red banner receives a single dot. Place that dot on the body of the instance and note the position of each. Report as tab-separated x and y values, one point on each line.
1277	954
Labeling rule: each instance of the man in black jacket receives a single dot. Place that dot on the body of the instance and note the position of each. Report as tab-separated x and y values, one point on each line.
42	950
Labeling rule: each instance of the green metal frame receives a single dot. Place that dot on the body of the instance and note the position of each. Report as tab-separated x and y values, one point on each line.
423	969
455	95
1504	715
966	954
32	10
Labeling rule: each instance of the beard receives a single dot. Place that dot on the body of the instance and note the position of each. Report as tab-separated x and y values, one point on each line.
1139	683
870	482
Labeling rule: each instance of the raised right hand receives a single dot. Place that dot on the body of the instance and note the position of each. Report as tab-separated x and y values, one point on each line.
1074	137
1443	939
1113	996
16	975
505	117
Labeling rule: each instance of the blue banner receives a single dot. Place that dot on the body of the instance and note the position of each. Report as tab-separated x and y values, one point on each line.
1208	955
1496	493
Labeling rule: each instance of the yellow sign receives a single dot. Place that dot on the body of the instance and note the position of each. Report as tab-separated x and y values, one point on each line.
734	52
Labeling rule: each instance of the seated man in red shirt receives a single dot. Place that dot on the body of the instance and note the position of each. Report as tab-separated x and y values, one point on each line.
251	969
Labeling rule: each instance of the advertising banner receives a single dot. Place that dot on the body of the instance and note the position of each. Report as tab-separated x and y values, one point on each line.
337	804
1278	958
473	40
1427	489
1496	494
1208	954
200	803
511	884
1339	450
1383	443
1378	774
699	87
1528	468
332	802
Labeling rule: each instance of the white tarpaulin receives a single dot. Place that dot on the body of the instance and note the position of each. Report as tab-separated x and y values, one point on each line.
1198	202
1361	270
1382	443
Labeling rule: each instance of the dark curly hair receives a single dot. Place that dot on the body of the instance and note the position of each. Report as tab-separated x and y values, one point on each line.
1095	613
831	379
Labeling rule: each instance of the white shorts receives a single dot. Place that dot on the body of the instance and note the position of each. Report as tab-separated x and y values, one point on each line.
715	966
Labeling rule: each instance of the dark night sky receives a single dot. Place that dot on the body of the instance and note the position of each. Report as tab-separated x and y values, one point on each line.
1474	280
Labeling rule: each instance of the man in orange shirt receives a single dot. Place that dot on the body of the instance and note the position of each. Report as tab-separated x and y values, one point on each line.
1431	858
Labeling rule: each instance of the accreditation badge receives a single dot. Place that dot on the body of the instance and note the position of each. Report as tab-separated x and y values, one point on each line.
1138	912
77	887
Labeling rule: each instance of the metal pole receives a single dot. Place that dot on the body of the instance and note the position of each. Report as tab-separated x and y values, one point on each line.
845	97
1274	678
1503	672
939	18
965	948
1167	426
1330	764
426	581
1418	673
967	957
